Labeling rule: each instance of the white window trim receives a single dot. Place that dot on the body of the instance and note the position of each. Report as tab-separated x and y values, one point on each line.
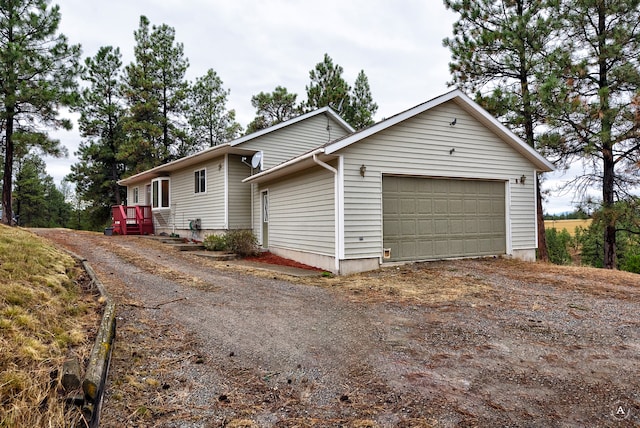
136	195
159	180
196	171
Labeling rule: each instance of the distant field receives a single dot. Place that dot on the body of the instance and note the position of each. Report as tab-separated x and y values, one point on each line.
570	225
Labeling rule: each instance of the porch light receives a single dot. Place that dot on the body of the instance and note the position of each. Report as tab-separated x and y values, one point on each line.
522	179
363	169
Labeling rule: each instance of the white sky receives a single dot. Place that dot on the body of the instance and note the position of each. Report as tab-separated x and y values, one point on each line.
255	46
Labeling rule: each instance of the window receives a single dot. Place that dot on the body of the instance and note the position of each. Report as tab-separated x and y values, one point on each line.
265	207
160	193
200	181
136	196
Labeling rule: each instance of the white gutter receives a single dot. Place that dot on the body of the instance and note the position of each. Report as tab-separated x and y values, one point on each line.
337	206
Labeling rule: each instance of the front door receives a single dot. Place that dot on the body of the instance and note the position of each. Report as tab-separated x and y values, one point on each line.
265	219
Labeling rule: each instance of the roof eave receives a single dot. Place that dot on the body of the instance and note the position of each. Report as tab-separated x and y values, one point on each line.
323	110
185	162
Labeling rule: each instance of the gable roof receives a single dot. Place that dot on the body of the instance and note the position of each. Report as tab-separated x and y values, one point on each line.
326	110
457	96
230	147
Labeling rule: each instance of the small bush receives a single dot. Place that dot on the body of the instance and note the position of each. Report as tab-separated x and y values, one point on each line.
215	243
631	263
242	242
558	244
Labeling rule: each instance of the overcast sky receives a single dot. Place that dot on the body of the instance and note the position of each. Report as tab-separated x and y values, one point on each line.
255	46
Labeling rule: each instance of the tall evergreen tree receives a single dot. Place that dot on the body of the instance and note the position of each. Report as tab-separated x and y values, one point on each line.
101	114
271	109
39	203
594	98
143	123
29	191
155	90
362	108
327	86
500	49
37	75
171	66
210	121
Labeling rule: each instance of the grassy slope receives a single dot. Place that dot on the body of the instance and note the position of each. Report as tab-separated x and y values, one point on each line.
41	318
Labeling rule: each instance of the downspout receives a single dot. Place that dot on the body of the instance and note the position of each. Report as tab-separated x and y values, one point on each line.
324	165
338	226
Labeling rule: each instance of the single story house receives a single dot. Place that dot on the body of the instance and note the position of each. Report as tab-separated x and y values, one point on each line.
441	180
204	193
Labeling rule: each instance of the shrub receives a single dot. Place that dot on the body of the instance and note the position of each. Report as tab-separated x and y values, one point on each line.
630	263
215	242
558	245
242	242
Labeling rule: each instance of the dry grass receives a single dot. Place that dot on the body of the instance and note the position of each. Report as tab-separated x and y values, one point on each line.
42	318
423	283
570	225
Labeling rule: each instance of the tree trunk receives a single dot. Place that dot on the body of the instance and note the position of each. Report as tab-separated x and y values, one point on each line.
609	260
7	183
608	163
543	253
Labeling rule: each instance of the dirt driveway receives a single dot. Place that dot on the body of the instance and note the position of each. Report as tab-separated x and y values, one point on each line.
463	343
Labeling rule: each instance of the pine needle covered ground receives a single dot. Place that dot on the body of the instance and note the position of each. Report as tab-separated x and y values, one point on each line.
44	318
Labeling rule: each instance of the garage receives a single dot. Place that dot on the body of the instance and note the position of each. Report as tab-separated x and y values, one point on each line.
433	218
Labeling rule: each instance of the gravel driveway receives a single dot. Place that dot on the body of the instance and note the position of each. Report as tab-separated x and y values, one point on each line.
475	343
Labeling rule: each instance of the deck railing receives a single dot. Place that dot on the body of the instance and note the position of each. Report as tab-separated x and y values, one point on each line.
132	220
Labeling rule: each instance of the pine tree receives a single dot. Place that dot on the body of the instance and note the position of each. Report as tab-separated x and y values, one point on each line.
273	108
362	108
101	114
594	100
327	86
29	192
155	91
210	121
37	75
500	49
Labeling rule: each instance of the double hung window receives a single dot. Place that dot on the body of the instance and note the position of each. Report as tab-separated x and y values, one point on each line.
200	180
160	193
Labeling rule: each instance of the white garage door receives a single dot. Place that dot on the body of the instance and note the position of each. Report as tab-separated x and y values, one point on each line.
428	218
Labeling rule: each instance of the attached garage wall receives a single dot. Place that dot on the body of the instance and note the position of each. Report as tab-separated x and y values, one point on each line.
426	218
428	146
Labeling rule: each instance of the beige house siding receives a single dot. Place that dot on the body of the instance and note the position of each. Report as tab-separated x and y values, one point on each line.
239	194
422	146
302	214
291	141
256	213
130	188
187	205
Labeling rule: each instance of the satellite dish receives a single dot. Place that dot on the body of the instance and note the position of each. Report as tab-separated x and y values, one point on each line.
256	160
